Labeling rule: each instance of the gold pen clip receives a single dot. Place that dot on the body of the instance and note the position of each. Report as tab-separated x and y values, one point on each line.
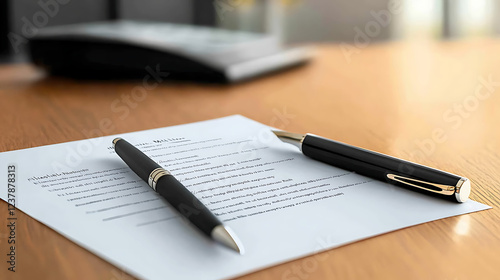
432	187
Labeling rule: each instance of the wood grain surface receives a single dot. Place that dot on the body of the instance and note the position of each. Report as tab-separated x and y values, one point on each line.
434	103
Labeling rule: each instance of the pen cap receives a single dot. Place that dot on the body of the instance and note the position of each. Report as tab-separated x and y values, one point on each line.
141	164
387	168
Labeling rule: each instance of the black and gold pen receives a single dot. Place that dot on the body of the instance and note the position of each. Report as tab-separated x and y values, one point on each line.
379	166
162	182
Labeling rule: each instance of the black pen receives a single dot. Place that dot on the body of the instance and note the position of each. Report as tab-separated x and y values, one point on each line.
161	181
379	166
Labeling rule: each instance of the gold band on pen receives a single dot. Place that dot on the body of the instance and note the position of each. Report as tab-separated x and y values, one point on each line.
116	140
155	175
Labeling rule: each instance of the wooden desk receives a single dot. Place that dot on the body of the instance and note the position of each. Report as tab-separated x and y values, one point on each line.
420	101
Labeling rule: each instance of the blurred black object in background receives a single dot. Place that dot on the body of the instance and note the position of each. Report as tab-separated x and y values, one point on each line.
4	27
23	18
204	13
132	49
113	9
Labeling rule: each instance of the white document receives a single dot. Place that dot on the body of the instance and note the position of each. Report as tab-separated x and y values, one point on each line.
281	204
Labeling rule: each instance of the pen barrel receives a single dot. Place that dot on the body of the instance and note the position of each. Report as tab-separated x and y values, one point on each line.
141	164
187	204
386	168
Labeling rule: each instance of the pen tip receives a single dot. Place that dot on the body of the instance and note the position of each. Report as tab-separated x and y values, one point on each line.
226	236
289	137
285	134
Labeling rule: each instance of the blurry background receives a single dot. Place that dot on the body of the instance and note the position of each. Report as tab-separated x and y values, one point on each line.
295	21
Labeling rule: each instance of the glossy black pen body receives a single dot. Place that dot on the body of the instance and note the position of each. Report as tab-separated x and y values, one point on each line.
379	166
164	183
